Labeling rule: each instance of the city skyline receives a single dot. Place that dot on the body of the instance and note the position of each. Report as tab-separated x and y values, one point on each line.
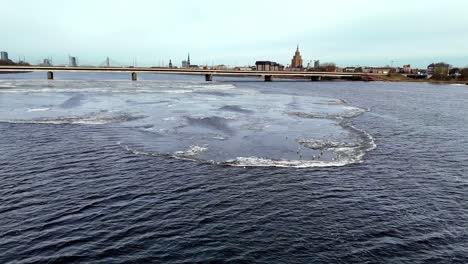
240	33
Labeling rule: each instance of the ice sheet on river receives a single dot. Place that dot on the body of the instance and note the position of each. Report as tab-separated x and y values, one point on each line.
214	122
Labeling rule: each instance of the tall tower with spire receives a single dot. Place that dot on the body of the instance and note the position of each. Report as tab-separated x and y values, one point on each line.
186	63
296	61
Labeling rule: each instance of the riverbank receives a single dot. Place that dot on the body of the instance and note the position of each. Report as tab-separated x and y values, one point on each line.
378	78
395	77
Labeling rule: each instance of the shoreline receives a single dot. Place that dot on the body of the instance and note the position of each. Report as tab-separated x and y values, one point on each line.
385	78
401	78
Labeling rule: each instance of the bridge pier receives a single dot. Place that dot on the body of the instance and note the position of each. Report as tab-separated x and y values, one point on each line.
134	76
208	77
50	75
268	78
315	78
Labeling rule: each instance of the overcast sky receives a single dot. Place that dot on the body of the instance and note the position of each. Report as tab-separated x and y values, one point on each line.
358	32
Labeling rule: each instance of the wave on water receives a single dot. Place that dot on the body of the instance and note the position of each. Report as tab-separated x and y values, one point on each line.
235	108
98	119
38	109
322	144
265	162
190	152
333	102
132	102
176	91
7	86
212	122
214	89
349	113
210	86
215	93
344	155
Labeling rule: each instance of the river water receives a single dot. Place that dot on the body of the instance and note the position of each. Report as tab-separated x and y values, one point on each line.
172	169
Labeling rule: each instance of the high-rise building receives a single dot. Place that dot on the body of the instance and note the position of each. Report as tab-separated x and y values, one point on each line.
72	61
296	61
316	64
170	63
4	55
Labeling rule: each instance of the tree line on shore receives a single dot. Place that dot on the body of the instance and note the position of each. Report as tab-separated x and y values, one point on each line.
445	72
12	63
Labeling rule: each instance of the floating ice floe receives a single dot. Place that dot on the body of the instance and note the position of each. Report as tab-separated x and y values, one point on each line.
38	109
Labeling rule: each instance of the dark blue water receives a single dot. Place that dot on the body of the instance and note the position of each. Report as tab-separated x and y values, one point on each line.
70	194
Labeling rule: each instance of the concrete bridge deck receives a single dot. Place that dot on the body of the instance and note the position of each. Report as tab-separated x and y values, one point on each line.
268	75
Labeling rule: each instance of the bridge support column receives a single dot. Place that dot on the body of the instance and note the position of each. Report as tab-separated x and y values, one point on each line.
315	78
134	76
208	77
50	75
268	78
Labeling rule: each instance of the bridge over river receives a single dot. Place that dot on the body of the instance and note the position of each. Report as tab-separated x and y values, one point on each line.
267	75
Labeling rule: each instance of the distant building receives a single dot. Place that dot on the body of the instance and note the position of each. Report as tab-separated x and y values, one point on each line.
219	67
4	55
415	71
316	64
243	68
455	73
430	69
268	66
46	62
72	61
382	70
407	68
366	69
186	63
330	68
296	61
170	63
